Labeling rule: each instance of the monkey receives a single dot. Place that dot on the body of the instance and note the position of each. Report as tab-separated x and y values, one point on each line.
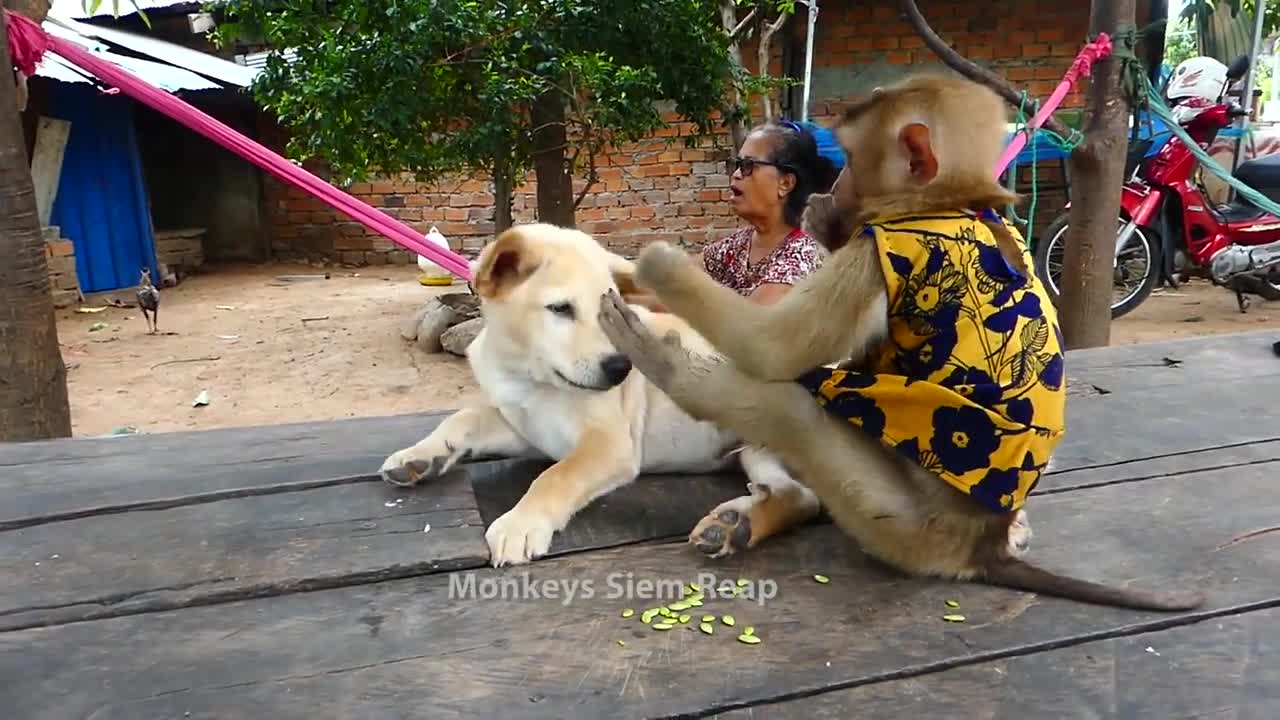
915	382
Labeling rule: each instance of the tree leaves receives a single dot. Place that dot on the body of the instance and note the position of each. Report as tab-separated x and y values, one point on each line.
436	87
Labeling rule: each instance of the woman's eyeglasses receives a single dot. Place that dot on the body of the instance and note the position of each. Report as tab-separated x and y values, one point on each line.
748	165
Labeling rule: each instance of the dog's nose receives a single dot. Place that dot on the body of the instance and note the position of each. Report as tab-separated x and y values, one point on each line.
616	367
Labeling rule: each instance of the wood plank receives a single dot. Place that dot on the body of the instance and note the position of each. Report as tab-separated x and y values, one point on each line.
46	163
422	648
1223	668
1201	362
119	564
72	478
67	477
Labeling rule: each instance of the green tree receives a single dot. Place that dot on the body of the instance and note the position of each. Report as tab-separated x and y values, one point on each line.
1197	12
434	87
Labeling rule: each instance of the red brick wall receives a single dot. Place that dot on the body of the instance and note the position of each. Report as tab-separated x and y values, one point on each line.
659	189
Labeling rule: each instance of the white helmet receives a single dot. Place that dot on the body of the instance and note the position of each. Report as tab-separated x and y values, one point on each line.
1197	77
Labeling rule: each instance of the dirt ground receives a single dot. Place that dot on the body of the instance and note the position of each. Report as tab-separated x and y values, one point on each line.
272	352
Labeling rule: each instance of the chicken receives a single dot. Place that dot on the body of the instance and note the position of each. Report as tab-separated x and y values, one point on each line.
148	300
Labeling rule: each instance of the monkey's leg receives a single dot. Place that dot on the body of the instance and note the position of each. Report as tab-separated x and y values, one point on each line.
832	314
897	511
776	503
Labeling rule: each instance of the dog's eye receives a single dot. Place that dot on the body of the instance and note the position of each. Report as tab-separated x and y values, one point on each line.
563	309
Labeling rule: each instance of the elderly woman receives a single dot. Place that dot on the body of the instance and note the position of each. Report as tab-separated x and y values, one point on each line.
776	170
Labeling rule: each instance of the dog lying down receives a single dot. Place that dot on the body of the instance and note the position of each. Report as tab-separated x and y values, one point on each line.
557	389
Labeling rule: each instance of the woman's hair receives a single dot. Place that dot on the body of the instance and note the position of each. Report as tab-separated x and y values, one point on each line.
797	149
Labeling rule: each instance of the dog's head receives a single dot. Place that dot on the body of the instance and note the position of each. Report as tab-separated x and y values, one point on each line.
540	286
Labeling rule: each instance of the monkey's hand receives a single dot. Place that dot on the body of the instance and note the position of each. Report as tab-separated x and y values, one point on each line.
662	266
664	362
824	222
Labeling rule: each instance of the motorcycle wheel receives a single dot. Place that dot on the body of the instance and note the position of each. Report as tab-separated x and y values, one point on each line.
1141	250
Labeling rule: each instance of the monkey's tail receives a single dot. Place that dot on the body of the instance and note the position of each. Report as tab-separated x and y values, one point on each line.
1020	575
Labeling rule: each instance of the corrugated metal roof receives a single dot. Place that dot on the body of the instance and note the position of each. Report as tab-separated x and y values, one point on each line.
74	9
166	76
171	53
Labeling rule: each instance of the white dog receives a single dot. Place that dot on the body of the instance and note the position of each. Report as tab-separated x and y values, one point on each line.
558	389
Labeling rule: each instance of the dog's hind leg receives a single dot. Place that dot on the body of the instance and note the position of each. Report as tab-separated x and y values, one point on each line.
469	434
776	503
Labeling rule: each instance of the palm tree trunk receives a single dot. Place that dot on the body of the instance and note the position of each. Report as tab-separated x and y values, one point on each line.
33	378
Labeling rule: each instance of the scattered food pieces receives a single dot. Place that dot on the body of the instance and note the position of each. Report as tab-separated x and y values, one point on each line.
662	626
822	579
708	618
98	326
706	627
317	318
622	643
1152	651
628	613
91	309
126	430
749	639
953	604
202	399
954	618
727	620
749	630
225	307
426	528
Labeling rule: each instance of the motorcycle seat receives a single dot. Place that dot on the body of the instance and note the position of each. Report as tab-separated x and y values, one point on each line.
1261	173
1239	210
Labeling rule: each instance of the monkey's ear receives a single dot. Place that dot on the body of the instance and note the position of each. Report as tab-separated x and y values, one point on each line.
502	265
923	164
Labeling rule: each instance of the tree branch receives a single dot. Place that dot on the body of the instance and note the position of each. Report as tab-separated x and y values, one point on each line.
743	24
968	68
762	58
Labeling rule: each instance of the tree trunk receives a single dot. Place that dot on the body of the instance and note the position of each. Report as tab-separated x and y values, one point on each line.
503	190
555	184
729	20
1097	169
33	378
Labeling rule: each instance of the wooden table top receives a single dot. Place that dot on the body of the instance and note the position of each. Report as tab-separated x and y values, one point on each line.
268	573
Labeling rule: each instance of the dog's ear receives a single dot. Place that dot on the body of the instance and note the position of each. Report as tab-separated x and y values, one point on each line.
624	275
502	265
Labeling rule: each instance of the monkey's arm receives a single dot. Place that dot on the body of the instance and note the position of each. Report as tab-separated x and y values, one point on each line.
831	315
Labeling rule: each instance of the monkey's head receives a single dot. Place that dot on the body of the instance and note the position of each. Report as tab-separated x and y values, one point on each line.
928	142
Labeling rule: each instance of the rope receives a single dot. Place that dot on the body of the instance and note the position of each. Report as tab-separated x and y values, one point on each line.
1065	145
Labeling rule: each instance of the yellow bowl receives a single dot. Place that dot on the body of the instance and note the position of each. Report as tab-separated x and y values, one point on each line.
429	280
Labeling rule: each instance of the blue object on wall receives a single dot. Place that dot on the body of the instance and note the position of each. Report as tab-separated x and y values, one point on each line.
102	198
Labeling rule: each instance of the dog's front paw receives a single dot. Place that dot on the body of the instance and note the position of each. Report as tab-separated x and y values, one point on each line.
408	467
659	265
518	537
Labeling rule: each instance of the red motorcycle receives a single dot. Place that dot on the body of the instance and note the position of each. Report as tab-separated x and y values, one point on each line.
1168	229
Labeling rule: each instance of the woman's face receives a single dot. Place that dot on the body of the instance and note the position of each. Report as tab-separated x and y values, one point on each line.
762	192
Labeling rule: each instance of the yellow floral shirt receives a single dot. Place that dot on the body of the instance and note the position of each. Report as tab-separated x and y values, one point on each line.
970	383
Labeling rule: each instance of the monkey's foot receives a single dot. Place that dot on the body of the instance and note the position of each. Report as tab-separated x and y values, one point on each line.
1019	534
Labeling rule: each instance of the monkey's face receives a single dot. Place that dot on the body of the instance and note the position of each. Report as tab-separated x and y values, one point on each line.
759	188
